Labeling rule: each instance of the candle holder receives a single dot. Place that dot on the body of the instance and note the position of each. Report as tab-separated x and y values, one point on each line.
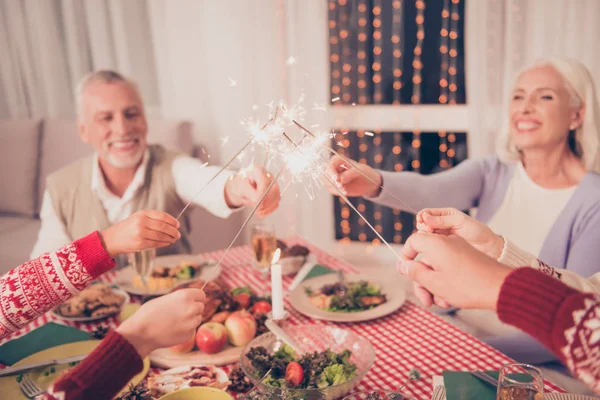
280	321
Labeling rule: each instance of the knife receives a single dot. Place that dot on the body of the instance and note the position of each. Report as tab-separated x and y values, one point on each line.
27	367
485	378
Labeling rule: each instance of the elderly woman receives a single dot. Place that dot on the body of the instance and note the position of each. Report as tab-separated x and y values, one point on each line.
541	191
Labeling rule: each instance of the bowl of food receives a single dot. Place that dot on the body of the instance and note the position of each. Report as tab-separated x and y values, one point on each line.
330	362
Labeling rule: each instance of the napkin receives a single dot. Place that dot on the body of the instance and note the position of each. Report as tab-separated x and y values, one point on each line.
462	386
45	337
318	270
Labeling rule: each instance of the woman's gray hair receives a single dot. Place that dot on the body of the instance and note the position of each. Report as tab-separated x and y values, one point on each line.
584	141
102	76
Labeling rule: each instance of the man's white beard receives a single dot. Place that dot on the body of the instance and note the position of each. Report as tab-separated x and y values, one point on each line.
129	162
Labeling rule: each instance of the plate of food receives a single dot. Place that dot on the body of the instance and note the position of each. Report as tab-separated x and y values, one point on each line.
97	301
44	377
185	377
167	273
232	318
355	298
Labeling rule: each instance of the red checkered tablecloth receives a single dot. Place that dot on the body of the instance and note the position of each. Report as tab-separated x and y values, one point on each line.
409	338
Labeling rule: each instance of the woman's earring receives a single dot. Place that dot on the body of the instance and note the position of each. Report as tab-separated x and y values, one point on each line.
573	127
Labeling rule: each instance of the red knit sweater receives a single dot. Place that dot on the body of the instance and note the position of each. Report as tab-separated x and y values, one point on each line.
563	319
35	287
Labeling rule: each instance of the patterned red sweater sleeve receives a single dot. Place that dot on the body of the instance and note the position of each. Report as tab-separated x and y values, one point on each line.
564	319
33	288
102	374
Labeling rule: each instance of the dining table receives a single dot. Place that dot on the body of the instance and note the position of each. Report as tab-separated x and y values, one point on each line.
409	338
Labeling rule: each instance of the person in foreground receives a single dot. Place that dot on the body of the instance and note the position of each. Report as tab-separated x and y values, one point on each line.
451	271
33	288
119	357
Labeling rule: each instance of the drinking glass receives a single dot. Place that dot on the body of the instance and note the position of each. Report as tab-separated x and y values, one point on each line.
264	244
520	382
143	263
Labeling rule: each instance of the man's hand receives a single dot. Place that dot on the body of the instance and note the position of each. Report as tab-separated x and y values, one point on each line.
143	230
247	187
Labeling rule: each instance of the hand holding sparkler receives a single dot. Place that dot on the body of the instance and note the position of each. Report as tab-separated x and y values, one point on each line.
247	187
352	181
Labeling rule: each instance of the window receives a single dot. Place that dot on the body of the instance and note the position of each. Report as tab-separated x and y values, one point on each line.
398	97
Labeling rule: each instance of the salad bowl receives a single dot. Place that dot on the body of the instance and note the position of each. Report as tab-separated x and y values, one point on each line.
332	362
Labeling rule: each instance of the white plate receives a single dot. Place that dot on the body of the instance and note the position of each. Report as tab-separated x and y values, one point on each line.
88	319
390	285
210	271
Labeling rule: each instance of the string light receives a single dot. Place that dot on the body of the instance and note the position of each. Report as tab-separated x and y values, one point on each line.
346	51
417	79
334	45
452	72
444	65
397	60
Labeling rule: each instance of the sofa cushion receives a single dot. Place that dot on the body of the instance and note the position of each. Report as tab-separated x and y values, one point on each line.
61	144
17	242
19	154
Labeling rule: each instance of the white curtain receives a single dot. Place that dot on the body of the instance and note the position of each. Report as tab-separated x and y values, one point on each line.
48	45
504	36
201	46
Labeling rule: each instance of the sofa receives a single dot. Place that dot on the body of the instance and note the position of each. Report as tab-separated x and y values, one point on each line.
32	149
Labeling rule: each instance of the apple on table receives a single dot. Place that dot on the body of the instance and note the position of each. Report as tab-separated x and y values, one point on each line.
211	337
241	328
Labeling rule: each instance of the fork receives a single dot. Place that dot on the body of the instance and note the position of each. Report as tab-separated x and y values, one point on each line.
29	387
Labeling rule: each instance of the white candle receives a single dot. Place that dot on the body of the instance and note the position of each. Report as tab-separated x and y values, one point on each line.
276	292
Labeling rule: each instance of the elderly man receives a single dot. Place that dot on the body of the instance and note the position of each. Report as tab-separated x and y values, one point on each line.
126	174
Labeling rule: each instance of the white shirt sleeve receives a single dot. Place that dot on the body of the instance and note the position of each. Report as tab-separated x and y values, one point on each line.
190	176
515	257
53	233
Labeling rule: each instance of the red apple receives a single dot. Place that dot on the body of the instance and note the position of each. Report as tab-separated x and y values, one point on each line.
185	347
241	328
211	337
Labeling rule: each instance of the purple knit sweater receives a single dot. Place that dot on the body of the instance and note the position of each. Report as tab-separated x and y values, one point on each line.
572	243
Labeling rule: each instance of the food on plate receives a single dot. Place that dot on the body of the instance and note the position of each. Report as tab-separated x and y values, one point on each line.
347	297
218	297
187	376
261	307
211	337
167	277
97	300
243	296
311	371
240	383
241	328
227	316
185	347
293	251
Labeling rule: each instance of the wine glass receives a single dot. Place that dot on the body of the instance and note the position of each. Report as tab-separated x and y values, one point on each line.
520	382
143	263
264	245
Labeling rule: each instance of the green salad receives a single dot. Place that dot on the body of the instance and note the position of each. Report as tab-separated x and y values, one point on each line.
347	297
311	371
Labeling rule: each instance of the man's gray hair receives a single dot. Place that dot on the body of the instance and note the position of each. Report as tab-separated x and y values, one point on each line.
102	76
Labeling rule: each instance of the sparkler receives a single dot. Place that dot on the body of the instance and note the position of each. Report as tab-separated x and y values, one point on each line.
353	164
249	217
238	154
342	195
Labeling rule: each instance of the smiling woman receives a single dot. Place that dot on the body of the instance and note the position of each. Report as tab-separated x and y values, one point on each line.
542	191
